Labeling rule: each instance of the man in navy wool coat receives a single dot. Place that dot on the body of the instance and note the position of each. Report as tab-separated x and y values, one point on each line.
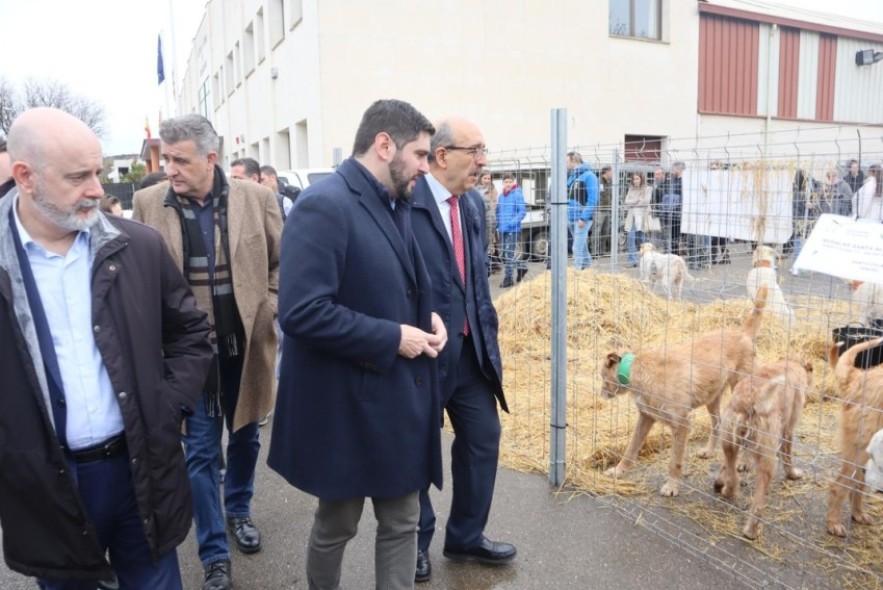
357	412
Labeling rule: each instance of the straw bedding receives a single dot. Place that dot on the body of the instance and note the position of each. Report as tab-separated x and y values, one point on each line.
616	313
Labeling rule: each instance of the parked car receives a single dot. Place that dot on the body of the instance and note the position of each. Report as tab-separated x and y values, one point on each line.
292	182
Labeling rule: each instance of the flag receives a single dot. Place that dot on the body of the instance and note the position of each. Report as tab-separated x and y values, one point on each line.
160	71
147	127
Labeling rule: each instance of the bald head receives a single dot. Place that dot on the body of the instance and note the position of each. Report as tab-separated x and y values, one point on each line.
56	164
457	154
41	133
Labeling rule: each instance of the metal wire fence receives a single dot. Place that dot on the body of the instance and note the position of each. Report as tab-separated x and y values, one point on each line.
748	204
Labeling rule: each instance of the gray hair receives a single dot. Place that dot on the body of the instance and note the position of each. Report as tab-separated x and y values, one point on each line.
443	136
191	127
679	165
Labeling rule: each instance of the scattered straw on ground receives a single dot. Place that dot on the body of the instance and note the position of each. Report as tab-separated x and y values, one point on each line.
615	313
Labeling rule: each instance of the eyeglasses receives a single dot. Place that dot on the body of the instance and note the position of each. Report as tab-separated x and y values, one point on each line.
475	152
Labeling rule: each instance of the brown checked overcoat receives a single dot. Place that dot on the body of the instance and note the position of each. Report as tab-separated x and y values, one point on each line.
254	228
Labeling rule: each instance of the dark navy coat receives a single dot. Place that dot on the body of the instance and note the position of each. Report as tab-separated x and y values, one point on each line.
353	418
435	245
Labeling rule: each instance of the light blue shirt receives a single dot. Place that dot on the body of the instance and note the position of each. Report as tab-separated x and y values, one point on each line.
65	286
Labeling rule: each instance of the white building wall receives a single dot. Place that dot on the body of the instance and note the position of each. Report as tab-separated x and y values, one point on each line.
768	70
504	65
858	89
808	75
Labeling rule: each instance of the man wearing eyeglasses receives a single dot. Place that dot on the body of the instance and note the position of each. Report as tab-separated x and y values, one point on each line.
448	218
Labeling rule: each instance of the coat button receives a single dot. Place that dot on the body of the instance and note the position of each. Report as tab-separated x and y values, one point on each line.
418	381
61	471
122	395
112	267
135	461
410	292
96	328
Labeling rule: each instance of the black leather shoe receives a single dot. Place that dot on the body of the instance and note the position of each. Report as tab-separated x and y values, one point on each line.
485	552
506	283
217	576
245	534
424	567
521	273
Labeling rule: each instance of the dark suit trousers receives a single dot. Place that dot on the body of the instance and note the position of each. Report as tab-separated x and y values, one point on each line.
472	410
106	489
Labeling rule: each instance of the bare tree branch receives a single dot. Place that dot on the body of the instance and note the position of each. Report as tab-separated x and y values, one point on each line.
52	93
9	105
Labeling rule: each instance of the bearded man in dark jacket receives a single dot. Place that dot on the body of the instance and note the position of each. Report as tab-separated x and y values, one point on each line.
102	351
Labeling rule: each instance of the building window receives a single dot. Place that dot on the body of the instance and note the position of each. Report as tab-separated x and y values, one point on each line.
276	22
643	148
248	50
230	78
259	36
295	13
205	100
635	18
217	90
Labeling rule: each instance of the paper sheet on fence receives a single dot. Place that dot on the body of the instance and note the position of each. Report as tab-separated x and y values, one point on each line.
738	204
841	247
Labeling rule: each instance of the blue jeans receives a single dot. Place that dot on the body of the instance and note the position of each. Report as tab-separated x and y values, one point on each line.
634	236
509	243
106	490
202	446
581	256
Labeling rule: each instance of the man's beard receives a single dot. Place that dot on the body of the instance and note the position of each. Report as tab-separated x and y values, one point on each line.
66	218
399	181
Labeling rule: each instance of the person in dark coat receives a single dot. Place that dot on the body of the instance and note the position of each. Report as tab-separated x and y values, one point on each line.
102	352
357	411
448	218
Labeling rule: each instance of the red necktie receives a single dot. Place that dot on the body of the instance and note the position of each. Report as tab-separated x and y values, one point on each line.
459	254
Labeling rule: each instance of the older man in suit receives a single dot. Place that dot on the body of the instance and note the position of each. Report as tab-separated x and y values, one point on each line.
357	414
448	217
225	236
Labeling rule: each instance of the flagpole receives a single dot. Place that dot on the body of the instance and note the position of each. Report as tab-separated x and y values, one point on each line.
174	57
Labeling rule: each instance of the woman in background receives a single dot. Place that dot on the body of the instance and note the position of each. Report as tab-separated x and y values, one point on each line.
637	219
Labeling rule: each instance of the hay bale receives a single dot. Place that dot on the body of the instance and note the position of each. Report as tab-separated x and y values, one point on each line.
615	312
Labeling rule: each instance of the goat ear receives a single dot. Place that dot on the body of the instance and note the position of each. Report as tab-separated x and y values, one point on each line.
613	359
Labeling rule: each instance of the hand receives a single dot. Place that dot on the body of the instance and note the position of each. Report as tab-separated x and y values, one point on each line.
438	328
581	223
415	342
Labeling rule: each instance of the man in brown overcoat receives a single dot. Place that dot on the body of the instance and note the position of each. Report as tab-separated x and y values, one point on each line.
224	235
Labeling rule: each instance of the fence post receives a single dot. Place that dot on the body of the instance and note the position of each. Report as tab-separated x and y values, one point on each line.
614	211
558	223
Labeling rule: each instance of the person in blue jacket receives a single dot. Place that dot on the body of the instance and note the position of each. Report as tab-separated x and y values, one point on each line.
583	191
510	211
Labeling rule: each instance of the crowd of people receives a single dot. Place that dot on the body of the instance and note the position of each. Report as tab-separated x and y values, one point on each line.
135	345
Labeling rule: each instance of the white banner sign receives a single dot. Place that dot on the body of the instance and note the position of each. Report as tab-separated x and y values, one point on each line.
841	247
738	204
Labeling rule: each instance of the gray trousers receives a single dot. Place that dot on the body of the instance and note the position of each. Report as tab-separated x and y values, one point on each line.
395	546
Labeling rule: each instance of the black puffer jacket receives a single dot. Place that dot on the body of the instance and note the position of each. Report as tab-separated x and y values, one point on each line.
154	342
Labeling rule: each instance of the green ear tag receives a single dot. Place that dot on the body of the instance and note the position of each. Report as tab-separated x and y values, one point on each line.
624	370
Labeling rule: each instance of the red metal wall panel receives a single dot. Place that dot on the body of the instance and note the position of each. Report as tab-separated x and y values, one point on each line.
789	59
827	76
728	53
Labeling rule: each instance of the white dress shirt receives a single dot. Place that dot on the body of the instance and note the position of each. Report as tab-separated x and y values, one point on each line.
441	196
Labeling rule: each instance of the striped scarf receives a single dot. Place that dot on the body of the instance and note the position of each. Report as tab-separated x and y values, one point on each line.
214	293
